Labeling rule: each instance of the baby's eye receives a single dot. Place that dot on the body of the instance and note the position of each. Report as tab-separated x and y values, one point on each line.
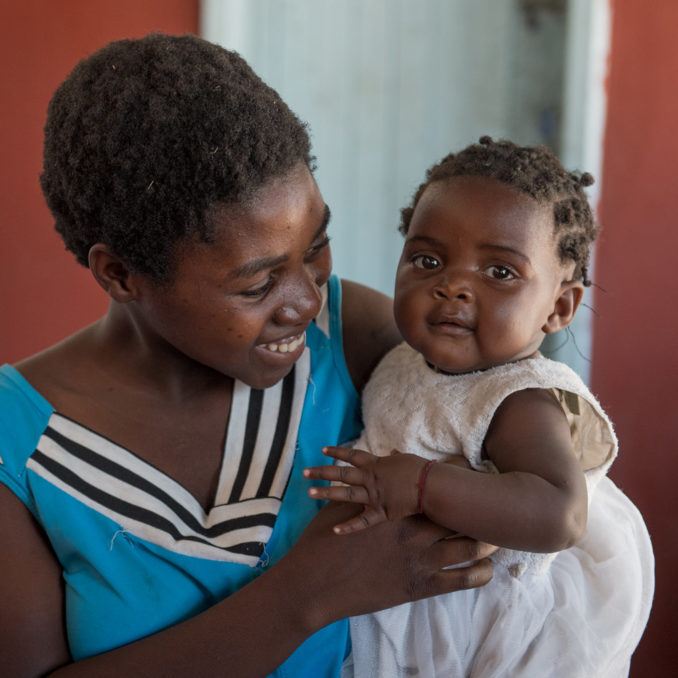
425	261
500	272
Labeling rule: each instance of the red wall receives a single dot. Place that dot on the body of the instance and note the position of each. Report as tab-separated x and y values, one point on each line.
44	294
635	356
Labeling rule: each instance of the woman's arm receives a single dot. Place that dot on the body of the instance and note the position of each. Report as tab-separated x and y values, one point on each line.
32	633
538	501
323	578
370	331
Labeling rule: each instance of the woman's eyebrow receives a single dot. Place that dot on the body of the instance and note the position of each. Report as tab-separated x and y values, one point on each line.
327	215
255	266
323	224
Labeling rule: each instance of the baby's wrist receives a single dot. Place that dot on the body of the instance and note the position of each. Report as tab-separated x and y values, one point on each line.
422	479
397	484
410	500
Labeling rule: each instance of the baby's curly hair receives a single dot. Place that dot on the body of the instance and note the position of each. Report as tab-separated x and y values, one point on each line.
534	170
145	136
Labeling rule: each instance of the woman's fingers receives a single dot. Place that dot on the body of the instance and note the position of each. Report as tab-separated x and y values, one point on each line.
394	562
468	577
456	563
348	493
455	551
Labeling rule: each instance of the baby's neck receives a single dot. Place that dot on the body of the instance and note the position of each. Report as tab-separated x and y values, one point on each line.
439	370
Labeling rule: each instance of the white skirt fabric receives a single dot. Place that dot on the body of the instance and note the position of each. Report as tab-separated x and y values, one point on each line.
583	617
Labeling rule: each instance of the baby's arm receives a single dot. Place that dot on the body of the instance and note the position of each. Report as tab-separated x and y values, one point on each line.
537	501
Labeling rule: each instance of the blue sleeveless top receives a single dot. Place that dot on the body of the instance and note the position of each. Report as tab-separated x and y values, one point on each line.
138	552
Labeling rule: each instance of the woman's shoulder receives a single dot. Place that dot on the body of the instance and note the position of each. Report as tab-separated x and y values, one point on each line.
20	402
60	369
368	327
24	415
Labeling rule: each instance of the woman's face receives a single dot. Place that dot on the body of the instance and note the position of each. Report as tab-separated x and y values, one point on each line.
241	304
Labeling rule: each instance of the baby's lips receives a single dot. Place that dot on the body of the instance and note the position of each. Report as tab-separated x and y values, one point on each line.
452	317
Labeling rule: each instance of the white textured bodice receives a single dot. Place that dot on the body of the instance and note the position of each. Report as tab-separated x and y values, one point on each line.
409	407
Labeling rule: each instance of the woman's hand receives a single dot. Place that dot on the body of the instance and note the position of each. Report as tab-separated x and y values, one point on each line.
387	487
393	563
325	577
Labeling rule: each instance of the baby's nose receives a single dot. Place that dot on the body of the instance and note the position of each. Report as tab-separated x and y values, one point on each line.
453	289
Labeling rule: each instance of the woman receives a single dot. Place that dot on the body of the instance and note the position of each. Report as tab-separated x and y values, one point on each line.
152	504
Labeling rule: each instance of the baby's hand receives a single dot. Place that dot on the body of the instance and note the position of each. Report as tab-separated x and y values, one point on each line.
386	486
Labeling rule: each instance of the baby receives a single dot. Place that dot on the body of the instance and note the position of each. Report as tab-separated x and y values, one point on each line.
495	258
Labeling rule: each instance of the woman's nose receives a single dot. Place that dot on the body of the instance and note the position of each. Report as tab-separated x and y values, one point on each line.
302	306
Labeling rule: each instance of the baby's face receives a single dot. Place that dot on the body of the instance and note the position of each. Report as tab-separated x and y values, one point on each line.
479	276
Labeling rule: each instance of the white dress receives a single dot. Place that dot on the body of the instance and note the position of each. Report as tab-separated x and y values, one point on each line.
579	612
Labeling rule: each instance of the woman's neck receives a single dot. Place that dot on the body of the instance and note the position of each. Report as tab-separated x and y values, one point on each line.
148	358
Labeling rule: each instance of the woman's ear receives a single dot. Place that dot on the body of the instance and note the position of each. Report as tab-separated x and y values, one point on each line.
112	274
569	297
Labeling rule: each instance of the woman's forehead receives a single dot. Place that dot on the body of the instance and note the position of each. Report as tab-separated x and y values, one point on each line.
280	200
284	216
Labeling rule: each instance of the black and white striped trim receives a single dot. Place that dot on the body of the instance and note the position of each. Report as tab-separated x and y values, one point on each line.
257	461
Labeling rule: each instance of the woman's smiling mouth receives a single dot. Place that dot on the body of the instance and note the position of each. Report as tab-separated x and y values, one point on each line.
288	345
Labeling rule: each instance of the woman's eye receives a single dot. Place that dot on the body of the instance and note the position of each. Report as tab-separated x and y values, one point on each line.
259	291
317	249
425	261
500	272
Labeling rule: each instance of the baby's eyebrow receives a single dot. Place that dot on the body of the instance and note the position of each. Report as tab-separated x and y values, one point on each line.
506	248
424	239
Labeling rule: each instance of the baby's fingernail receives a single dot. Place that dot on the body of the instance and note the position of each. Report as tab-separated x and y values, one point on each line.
337	530
313	491
325	450
307	473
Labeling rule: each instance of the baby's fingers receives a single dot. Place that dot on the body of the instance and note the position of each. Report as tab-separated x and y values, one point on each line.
353	495
342	474
350	455
368	518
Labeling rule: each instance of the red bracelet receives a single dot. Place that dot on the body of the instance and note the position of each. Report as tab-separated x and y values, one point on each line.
421	484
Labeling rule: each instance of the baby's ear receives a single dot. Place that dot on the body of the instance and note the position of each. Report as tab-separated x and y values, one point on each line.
565	306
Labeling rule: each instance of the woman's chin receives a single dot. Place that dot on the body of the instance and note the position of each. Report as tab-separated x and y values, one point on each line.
272	366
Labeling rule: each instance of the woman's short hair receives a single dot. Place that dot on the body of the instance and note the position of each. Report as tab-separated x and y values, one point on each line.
144	136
